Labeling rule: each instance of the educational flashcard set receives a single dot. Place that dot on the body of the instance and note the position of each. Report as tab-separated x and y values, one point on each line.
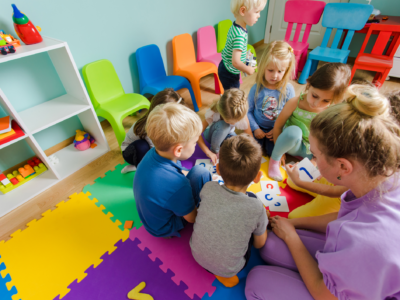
269	189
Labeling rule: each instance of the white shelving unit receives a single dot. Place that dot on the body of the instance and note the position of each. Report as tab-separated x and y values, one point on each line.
75	102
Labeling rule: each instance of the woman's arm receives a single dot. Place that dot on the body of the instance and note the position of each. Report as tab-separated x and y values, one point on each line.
318	223
204	147
306	264
318	188
286	112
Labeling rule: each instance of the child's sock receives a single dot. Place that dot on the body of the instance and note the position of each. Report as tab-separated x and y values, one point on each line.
273	170
128	168
228	282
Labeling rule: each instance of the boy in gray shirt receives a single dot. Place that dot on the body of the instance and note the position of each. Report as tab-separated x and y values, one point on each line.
230	220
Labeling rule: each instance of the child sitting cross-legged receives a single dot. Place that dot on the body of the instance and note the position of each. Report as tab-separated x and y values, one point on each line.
166	194
230	220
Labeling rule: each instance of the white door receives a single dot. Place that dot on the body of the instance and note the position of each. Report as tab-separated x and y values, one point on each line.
276	26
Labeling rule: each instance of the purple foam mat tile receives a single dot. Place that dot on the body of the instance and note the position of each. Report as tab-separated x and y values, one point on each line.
123	270
198	154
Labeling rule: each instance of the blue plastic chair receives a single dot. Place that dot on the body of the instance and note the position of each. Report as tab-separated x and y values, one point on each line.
350	16
153	77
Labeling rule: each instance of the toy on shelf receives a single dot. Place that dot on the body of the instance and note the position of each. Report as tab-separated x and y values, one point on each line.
7	43
83	140
53	159
24	28
21	176
15	133
5	125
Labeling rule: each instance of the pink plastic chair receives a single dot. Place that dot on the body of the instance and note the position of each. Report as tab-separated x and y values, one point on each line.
207	46
301	12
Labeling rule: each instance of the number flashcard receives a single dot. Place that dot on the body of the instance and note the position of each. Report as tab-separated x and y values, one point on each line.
279	205
206	163
307	171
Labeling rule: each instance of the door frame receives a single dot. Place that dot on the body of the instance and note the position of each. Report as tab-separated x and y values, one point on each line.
271	7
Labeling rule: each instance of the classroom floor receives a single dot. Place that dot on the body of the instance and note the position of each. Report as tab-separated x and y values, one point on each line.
33	209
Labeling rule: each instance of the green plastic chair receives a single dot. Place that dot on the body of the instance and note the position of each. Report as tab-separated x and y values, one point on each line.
108	96
223	29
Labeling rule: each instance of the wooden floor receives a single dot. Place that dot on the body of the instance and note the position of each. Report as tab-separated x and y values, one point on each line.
33	209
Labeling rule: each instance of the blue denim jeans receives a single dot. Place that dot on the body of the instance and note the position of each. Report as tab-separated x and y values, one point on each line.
198	177
216	133
266	144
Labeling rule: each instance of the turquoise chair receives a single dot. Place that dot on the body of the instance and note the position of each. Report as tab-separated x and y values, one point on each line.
108	96
350	16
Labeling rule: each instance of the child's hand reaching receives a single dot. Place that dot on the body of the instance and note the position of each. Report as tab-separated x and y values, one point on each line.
259	134
293	173
213	157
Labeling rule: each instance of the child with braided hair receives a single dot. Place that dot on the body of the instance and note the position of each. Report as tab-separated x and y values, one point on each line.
221	119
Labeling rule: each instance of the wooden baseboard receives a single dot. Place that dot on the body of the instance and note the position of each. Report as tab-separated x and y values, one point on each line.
260	43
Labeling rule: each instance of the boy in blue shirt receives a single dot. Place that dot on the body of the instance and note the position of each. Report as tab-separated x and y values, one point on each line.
166	194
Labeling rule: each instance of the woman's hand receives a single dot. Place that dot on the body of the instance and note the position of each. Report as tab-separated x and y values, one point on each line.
213	157
282	227
293	173
270	135
259	134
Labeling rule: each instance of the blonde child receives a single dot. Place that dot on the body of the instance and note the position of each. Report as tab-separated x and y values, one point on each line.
246	12
271	91
221	119
165	198
230	220
325	87
137	143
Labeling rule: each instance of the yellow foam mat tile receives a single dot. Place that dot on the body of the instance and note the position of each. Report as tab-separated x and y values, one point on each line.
255	188
52	252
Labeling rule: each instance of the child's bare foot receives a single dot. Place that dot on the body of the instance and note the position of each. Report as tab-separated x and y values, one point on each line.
273	170
228	282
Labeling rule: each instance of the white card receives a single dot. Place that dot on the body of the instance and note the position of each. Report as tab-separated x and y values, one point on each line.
262	176
263	160
267	198
279	205
270	187
206	163
308	172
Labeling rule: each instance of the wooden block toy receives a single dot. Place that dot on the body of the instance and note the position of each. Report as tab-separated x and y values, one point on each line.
128	224
16	179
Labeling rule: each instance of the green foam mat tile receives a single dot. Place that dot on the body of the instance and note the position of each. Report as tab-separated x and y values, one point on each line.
115	192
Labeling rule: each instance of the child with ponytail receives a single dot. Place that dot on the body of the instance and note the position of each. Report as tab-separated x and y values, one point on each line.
137	143
325	87
221	119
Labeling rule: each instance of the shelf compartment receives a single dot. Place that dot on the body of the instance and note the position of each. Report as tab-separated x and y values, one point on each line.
18	132
22	194
27	50
72	160
52	112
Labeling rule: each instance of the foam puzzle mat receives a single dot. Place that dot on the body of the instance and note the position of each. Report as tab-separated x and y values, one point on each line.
115	192
55	250
81	251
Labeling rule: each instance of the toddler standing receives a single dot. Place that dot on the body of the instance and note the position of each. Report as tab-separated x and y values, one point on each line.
233	61
271	91
325	87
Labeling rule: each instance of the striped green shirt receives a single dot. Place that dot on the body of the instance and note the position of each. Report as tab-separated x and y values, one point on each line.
237	39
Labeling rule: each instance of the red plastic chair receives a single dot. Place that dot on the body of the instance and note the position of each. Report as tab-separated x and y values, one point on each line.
207	46
376	60
301	12
185	65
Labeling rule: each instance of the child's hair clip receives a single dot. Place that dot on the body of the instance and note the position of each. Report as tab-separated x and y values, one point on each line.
180	100
290	49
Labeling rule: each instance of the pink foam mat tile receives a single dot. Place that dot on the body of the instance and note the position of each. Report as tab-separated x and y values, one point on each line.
176	256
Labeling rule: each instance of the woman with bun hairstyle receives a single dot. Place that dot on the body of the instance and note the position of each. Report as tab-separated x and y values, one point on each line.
355	255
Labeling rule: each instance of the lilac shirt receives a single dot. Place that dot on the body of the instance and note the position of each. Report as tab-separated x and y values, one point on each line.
361	257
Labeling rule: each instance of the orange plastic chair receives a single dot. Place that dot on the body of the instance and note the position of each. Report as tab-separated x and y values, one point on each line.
185	65
379	60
